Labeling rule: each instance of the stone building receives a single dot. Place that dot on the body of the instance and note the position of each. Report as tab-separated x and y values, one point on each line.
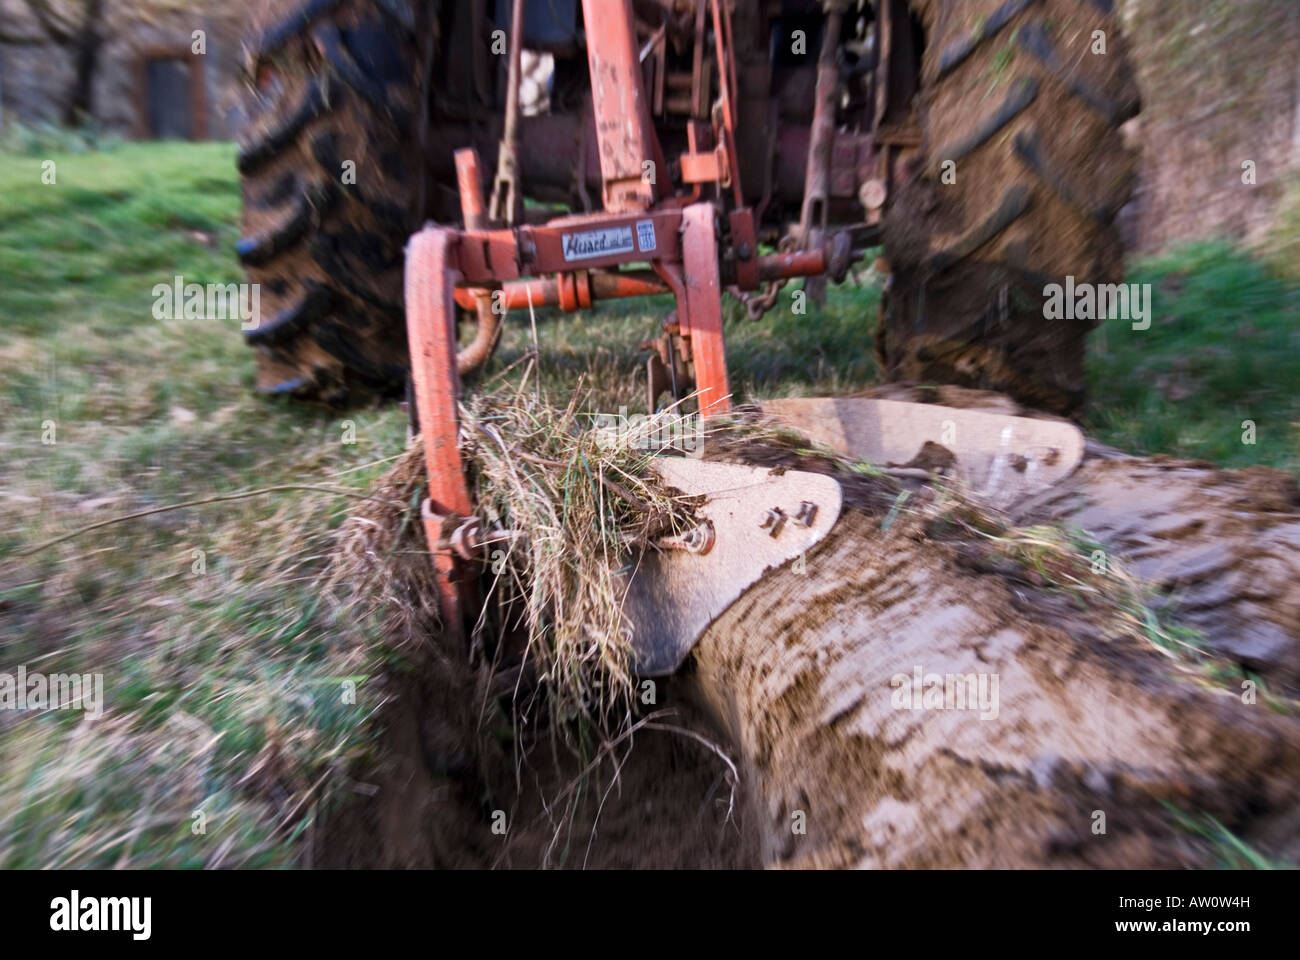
1220	81
164	68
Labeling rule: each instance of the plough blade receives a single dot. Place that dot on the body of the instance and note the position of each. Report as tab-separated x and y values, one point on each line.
1000	458
760	520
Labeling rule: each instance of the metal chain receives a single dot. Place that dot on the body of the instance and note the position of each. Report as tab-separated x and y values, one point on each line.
757	304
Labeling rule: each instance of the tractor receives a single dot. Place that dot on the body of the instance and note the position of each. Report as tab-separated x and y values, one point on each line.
409	165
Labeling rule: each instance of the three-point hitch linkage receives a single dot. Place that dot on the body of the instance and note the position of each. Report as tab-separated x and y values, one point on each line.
574	261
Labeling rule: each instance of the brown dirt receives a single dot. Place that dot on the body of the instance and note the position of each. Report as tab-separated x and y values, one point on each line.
793	684
1224	544
800	672
447	758
659	800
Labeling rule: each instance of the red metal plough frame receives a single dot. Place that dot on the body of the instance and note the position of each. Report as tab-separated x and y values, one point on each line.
572	261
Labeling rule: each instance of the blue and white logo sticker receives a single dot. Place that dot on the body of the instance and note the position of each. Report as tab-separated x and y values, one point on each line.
645	235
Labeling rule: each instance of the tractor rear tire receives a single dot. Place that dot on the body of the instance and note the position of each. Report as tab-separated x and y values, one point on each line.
331	162
1021	173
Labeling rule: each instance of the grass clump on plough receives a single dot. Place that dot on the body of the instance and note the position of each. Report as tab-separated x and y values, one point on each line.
566	505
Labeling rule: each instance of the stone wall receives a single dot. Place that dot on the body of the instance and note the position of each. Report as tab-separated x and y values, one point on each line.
1220	84
34	80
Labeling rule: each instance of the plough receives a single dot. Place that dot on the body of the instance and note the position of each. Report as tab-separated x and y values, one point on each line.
692	242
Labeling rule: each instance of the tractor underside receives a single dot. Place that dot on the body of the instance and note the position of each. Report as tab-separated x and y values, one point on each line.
785	126
557	153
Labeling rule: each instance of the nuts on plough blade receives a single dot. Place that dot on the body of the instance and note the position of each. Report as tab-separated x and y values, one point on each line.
699	539
773	521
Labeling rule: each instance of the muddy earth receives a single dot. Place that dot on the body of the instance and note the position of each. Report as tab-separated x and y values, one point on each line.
1076	744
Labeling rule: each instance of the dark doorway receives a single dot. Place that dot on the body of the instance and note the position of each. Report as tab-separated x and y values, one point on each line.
168	98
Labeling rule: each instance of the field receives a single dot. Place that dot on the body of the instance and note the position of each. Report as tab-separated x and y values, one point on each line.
224	730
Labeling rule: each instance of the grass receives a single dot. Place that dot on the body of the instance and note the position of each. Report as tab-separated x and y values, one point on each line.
43	138
576	505
1230	852
220	666
1221	351
228	679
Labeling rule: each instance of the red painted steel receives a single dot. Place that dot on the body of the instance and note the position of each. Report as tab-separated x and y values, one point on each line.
470	184
632	237
703	314
431	330
801	263
549	291
728	89
471	189
627	138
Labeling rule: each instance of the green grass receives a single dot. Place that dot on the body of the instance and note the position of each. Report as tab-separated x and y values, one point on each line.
1221	350
1229	851
223	687
785	354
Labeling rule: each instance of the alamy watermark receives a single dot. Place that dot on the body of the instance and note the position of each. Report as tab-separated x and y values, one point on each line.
57	691
179	300
651	433
1098	301
76	914
946	691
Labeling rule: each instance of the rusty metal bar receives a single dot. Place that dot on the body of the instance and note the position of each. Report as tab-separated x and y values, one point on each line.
812	218
623	128
431	329
701	313
485	337
471	205
784	266
548	292
507	197
470	185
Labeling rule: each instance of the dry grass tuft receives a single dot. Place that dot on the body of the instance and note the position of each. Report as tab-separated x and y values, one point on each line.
570	507
565	509
380	562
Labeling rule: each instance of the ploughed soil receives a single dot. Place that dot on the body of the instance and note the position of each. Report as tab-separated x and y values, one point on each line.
1087	744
